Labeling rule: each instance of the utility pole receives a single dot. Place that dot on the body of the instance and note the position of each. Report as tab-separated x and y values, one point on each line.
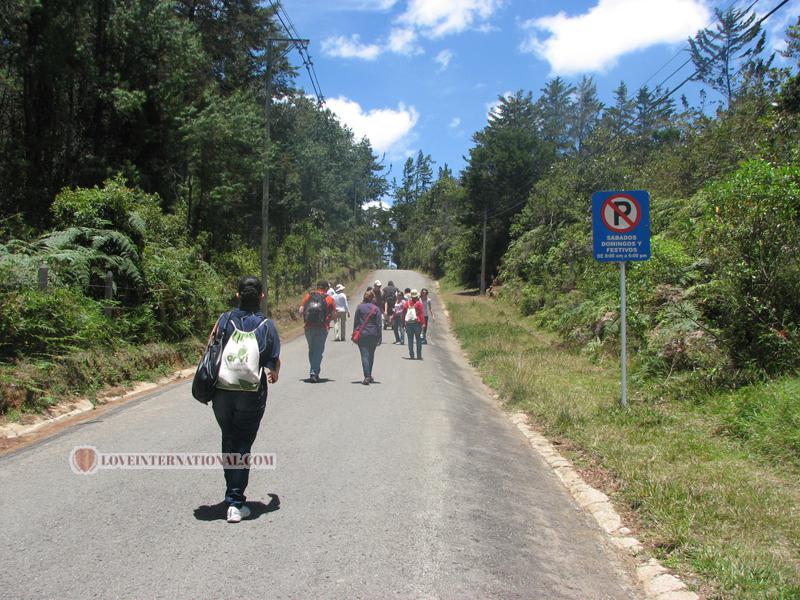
265	181
483	253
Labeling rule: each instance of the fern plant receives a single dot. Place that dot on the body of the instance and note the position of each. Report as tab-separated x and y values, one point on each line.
77	256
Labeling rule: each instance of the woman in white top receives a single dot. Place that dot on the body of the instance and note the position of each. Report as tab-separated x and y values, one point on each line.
342	312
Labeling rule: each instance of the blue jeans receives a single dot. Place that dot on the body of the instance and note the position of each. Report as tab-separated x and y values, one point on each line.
414	330
399	332
366	346
239	416
315	336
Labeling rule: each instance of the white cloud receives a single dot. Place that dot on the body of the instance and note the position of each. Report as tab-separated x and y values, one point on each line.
595	40
351	47
401	41
387	129
776	30
492	106
442	17
353	5
455	123
443	58
376	204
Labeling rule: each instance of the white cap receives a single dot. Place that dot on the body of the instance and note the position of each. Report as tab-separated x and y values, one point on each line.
340	288
414	294
378	282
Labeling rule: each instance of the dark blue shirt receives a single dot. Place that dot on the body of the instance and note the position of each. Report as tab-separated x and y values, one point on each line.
372	328
269	344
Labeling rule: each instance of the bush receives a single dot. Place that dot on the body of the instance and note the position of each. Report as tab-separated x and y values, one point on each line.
752	238
186	293
52	323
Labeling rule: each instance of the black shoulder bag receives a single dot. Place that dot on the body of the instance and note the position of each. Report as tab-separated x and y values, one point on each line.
205	378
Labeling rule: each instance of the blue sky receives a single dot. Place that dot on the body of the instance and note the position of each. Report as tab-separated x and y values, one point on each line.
422	74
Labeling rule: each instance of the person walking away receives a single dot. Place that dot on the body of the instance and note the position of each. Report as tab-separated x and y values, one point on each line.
377	292
424	297
398	326
389	297
318	310
414	318
367	322
342	313
251	361
330	290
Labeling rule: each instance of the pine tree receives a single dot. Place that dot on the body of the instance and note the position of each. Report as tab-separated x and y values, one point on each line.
717	54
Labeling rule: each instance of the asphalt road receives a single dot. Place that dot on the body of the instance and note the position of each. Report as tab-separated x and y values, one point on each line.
414	487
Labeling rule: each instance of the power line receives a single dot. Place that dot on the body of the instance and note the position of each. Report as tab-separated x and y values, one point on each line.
755	26
302	49
678	53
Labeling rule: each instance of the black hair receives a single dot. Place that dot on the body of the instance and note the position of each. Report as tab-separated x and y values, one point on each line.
391	283
322	285
250	290
407	290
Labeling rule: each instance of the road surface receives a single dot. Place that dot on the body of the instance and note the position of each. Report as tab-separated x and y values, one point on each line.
414	487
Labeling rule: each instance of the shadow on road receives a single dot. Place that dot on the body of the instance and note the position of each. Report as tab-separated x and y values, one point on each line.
219	512
321	380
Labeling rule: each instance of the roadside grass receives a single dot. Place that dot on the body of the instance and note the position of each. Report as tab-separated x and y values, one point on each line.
702	483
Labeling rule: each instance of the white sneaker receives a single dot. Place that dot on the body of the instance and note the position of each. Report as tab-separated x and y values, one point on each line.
237	514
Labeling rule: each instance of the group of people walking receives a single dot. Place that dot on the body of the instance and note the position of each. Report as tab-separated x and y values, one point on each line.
407	312
251	356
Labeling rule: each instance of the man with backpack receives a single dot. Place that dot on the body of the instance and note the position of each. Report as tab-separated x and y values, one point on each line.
318	309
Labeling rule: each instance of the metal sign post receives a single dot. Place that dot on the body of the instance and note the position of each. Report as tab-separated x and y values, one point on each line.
621	231
623	334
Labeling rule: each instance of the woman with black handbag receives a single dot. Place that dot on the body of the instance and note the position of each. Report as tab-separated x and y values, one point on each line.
367	333
250	361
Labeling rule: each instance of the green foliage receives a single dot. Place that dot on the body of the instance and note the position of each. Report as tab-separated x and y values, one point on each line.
114	206
767	418
51	323
186	294
718	53
751	236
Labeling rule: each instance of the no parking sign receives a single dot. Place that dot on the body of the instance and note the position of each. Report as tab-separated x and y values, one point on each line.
621	226
621	231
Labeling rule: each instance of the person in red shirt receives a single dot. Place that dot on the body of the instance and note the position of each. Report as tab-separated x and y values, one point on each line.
318	309
414	318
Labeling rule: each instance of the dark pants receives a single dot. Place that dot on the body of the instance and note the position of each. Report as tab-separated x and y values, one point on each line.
239	416
413	331
367	345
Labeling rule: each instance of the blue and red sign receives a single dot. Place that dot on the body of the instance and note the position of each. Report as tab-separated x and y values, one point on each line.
621	225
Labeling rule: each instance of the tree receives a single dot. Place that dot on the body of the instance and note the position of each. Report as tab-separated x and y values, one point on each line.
585	112
553	110
717	54
619	118
508	158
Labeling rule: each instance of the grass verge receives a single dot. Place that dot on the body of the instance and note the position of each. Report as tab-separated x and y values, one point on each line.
700	483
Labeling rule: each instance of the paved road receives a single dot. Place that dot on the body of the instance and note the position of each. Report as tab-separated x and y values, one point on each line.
415	487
